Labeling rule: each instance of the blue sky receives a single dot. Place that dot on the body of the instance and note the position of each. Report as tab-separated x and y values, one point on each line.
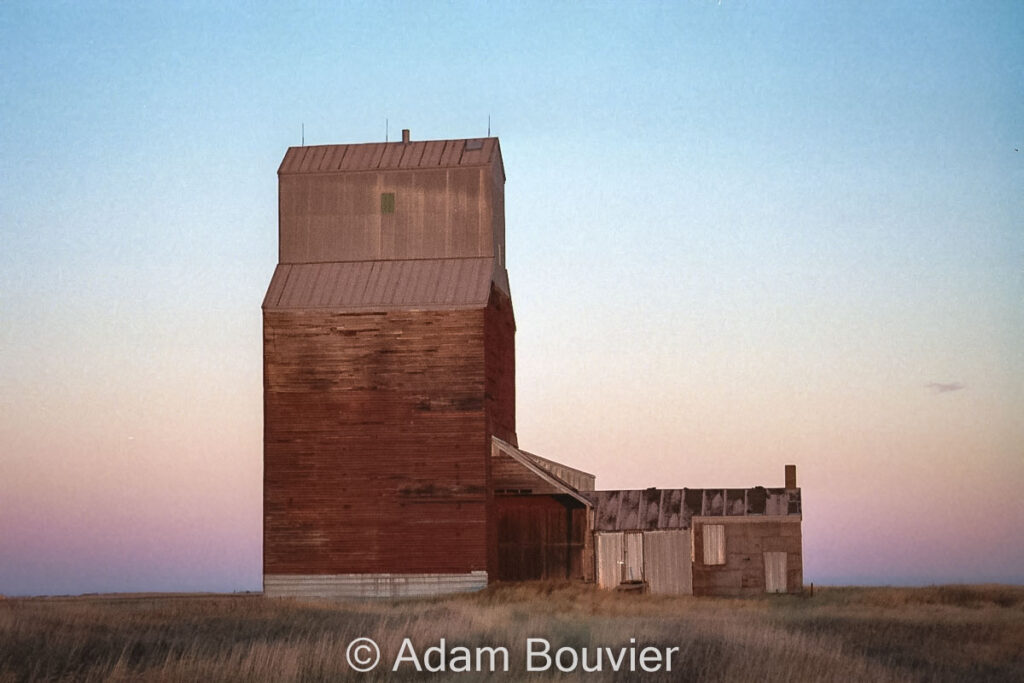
739	235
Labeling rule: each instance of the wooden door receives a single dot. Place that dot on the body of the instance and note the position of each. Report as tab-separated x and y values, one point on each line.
775	572
634	559
609	559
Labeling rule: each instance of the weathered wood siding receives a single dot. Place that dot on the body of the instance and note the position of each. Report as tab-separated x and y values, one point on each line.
540	537
500	366
437	213
610	558
667	562
376	442
746	541
633	545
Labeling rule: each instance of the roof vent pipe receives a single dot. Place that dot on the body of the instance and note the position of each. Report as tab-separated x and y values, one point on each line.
405	135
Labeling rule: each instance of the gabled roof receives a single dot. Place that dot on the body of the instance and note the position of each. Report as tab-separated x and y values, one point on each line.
380	285
533	464
384	156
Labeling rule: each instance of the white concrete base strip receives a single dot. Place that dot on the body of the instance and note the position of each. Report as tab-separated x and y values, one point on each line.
370	585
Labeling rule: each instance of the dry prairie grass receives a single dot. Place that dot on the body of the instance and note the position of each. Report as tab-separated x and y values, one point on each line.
947	633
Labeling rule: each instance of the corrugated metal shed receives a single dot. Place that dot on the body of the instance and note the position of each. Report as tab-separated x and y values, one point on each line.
378	156
376	285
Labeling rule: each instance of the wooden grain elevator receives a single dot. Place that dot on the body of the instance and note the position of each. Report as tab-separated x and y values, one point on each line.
391	463
389	368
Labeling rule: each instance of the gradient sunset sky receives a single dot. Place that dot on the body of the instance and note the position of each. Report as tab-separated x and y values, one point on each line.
739	235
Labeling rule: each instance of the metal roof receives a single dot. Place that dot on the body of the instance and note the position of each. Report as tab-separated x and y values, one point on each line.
383	156
374	285
650	509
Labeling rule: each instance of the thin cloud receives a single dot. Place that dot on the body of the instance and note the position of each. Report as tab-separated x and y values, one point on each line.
944	387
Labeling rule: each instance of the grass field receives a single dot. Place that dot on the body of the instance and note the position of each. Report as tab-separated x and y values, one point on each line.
946	633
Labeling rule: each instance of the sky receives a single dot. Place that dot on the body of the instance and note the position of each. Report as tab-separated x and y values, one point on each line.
739	235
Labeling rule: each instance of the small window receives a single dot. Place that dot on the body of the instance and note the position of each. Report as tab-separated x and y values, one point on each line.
387	202
714	544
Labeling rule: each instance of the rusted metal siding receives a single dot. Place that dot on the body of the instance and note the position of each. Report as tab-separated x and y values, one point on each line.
376	444
644	509
649	509
746	541
667	569
382	285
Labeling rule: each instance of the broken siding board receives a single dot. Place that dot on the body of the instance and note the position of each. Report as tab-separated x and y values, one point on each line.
735	502
606	510
777	503
794	507
650	503
714	502
671	510
629	510
693	501
757	497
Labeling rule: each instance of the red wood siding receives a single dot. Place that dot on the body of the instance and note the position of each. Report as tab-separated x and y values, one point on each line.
500	366
540	537
499	396
376	443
